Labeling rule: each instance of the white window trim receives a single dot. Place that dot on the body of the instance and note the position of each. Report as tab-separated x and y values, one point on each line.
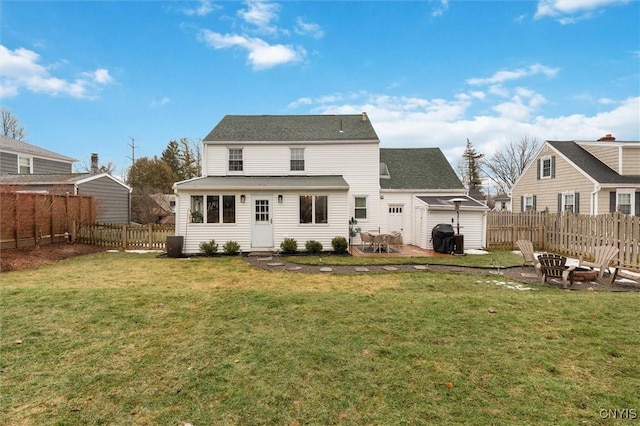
542	160
314	197
564	201
366	207
528	197
304	162
25	157
632	203
235	172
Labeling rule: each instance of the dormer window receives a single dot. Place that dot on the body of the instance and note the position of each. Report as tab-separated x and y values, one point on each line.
235	160
297	159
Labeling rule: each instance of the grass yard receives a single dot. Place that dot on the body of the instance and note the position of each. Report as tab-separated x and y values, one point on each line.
120	338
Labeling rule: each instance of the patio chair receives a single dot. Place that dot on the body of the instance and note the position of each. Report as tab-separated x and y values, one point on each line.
380	241
367	239
526	248
604	256
554	266
395	239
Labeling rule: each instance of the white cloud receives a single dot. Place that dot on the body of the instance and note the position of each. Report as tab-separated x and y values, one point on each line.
21	70
261	14
308	28
260	54
447	123
508	75
204	8
443	6
571	11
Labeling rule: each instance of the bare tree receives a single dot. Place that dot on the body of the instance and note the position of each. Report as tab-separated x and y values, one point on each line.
11	126
507	164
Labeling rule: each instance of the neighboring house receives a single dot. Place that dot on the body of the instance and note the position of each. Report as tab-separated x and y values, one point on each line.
267	178
502	202
587	177
28	168
164	208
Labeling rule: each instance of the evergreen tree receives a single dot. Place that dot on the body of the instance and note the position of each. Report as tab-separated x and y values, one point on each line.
472	165
171	157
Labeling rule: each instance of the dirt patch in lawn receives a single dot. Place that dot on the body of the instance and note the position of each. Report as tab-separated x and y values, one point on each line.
32	257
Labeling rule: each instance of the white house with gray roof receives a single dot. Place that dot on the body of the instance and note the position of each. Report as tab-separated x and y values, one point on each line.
269	177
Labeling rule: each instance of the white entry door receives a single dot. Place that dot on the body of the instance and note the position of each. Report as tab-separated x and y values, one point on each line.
262	224
395	219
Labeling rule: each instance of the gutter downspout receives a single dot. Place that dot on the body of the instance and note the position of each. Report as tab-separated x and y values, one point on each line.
594	199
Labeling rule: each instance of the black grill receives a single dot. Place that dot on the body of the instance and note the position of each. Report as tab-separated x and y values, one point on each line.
442	238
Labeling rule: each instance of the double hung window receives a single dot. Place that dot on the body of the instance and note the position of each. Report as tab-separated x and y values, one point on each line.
235	160
297	159
219	209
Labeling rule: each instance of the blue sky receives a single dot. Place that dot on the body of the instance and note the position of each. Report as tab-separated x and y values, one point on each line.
85	77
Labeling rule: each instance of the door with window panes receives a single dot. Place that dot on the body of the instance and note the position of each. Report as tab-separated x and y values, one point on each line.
262	223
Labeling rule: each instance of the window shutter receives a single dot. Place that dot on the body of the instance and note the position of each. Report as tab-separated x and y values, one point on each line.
612	202
535	206
522	203
553	166
576	202
538	169
637	203
559	203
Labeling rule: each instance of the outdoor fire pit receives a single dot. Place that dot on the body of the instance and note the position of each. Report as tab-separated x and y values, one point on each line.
584	274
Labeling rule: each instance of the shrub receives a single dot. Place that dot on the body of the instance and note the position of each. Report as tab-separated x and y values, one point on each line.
313	247
209	248
231	247
340	245
289	246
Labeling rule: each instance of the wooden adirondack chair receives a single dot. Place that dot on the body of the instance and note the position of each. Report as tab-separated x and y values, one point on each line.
554	266
604	257
526	248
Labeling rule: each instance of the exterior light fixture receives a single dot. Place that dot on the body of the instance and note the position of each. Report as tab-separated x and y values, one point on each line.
280	199
243	198
456	205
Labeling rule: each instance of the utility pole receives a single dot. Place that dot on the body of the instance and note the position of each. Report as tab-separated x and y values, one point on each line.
133	150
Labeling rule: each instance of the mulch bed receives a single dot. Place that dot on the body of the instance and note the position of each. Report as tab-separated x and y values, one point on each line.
32	257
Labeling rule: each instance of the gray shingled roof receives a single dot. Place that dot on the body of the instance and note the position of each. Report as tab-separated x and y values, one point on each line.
418	168
9	144
445	201
266	183
590	164
268	128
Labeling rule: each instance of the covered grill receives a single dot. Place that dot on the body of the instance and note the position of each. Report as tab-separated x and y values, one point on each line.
442	238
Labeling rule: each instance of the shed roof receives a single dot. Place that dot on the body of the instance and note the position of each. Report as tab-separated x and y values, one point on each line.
293	128
417	168
259	183
440	201
10	144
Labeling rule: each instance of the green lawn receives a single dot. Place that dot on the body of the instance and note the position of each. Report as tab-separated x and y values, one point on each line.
119	338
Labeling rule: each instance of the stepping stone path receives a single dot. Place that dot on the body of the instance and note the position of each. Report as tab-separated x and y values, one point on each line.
294	268
326	269
263	259
389	268
361	269
275	264
420	267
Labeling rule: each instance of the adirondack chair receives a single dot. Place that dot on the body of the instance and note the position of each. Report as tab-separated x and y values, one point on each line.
526	248
554	266
604	257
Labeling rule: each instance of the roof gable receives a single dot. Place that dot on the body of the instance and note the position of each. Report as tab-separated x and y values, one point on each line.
591	165
13	145
293	128
417	168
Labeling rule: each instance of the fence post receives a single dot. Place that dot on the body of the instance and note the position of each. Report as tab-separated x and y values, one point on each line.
125	243
150	235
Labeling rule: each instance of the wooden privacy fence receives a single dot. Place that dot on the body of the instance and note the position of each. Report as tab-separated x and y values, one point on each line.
128	237
569	234
28	219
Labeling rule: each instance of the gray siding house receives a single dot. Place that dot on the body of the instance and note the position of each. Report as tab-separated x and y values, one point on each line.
28	168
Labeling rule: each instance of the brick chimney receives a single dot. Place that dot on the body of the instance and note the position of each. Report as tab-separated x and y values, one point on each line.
607	137
94	164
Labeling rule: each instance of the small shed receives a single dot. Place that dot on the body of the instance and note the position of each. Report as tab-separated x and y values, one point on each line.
470	219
